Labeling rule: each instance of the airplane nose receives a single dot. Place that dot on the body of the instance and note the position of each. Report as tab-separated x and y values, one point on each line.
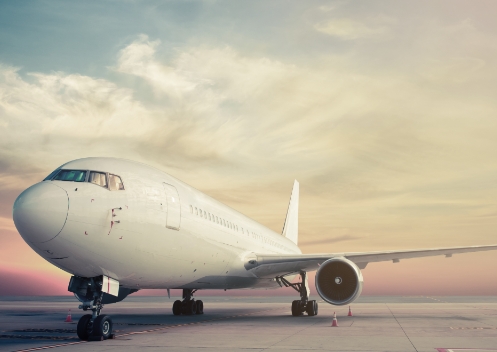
40	212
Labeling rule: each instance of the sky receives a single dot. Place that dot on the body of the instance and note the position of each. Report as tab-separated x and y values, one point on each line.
384	111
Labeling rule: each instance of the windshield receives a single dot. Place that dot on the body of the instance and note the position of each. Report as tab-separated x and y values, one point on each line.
52	174
71	175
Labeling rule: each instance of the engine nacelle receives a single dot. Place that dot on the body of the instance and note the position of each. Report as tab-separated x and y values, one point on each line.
339	281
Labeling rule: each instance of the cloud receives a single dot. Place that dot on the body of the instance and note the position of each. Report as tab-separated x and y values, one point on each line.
243	126
138	58
349	29
203	76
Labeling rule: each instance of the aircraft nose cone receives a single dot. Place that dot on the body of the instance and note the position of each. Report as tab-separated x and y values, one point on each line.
40	212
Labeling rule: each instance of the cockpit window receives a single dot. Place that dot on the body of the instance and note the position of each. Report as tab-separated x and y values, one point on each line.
115	183
98	178
71	175
52	174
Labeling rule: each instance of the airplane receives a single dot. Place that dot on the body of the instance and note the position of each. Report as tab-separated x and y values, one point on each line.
119	226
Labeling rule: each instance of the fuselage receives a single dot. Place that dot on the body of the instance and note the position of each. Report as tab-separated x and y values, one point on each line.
153	231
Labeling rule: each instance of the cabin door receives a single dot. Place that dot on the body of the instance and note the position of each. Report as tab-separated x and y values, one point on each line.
173	207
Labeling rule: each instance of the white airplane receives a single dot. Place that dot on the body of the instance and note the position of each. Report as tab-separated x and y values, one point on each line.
119	226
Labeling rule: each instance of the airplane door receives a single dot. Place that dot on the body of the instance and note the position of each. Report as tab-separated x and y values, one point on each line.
173	207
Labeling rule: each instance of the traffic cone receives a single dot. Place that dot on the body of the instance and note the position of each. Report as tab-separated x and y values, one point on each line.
350	312
335	321
68	318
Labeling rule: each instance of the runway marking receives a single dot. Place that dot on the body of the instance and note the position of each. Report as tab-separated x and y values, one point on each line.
473	328
464	349
150	330
287	337
401	328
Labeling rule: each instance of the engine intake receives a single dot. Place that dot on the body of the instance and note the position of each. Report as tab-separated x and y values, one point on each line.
339	281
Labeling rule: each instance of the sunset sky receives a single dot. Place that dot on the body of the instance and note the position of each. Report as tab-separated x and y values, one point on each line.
384	111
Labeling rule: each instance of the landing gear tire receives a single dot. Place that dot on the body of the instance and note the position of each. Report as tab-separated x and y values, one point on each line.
177	307
85	327
296	311
200	307
189	307
102	326
312	308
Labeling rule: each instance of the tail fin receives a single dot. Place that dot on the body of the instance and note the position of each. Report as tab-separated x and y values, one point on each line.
291	227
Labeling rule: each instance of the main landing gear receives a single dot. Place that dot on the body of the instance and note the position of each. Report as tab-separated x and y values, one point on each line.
91	327
302	305
188	306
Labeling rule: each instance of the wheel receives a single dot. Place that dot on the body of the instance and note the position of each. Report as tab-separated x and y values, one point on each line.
177	307
189	307
200	307
312	308
102	326
296	311
84	328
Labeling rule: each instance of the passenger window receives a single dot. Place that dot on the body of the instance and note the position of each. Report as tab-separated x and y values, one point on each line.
196	211
71	175
205	214
191	209
115	183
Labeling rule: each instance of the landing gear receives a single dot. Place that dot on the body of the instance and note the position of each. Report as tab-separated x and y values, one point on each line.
102	326
188	306
85	327
302	305
312	308
200	307
91	327
177	307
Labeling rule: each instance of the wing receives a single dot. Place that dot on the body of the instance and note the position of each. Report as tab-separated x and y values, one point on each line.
270	266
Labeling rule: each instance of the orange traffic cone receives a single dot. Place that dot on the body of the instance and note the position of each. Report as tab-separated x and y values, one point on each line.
68	318
335	321
350	312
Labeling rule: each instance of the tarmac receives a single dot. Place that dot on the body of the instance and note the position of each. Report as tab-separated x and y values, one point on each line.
418	323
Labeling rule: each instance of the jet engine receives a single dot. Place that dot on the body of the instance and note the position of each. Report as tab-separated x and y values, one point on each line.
339	281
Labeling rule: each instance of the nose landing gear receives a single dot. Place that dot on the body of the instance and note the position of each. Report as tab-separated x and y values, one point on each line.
95	326
91	327
189	306
302	305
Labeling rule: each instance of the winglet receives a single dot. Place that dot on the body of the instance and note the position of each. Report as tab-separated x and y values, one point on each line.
291	227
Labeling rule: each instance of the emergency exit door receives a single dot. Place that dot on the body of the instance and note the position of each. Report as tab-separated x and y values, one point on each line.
173	207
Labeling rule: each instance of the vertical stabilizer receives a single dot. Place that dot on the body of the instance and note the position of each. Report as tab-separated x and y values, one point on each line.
291	227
